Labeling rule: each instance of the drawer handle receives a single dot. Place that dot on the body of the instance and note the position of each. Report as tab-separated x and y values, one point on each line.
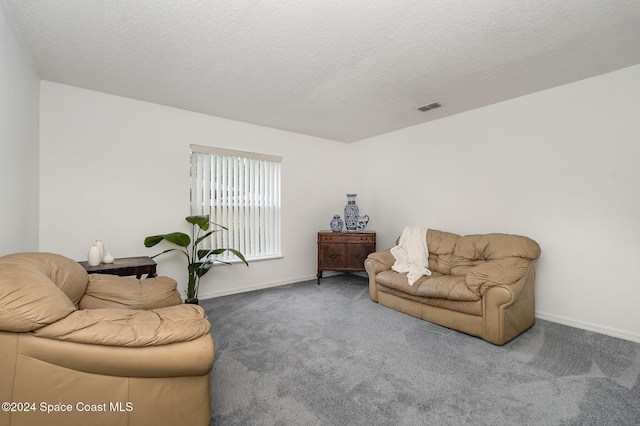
333	256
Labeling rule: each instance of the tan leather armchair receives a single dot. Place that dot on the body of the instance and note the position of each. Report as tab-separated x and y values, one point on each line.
482	285
79	349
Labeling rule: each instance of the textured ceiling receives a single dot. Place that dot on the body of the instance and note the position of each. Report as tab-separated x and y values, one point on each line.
342	70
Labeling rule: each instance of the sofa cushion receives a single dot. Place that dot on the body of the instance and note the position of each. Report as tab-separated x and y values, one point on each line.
67	274
497	272
29	299
126	327
441	247
496	246
452	254
452	287
110	291
471	307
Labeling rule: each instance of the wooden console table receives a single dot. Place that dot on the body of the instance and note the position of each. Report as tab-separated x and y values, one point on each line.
125	266
344	251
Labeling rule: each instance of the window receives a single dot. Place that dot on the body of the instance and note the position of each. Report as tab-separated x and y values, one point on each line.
240	191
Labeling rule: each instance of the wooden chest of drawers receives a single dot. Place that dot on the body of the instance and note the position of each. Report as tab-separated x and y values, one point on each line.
344	251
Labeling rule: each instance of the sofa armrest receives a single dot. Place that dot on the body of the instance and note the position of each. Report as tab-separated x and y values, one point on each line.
498	272
379	261
111	291
374	264
130	328
509	309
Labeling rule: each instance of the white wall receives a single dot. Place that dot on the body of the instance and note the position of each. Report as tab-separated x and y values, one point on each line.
19	97
117	169
560	166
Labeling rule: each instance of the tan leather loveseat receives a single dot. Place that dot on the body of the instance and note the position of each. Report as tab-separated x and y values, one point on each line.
482	285
78	349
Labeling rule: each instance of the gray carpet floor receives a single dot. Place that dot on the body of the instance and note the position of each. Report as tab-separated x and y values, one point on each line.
304	354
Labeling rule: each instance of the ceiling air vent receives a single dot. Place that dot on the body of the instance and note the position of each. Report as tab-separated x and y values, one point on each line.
432	105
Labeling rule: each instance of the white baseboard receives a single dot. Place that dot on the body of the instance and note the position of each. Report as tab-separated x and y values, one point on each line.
613	332
214	294
228	292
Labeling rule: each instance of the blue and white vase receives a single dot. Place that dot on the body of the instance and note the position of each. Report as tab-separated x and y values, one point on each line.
336	223
351	212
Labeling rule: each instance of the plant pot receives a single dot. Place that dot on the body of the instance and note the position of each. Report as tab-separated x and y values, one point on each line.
191	301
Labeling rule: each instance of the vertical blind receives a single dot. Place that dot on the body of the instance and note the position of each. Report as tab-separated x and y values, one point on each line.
240	191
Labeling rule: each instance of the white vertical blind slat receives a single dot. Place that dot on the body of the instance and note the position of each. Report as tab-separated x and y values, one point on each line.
254	206
269	194
262	209
205	172
233	226
278	219
217	201
241	209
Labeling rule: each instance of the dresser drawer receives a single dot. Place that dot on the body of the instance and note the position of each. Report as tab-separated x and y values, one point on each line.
347	237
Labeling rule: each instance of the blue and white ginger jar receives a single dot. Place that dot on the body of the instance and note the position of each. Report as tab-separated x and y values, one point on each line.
336	223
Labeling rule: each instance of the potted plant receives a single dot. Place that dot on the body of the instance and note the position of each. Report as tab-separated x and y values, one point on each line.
199	261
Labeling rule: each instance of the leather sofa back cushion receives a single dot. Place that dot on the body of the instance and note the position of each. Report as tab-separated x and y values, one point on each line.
453	254
29	299
67	274
108	291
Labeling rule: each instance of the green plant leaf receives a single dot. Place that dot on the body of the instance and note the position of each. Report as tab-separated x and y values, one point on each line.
201	220
240	255
219	226
153	240
204	268
199	240
203	254
178	238
193	267
167	251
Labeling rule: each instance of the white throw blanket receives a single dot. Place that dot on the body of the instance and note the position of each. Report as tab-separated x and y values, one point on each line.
412	254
